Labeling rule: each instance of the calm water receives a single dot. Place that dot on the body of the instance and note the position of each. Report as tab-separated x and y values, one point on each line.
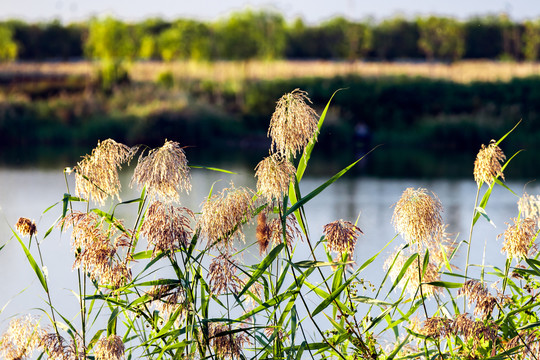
27	192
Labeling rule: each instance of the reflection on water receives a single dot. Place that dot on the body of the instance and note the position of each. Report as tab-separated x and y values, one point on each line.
27	192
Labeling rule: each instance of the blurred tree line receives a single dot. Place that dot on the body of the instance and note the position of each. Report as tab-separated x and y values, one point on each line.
266	35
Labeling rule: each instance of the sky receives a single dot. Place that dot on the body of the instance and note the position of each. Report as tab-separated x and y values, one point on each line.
311	11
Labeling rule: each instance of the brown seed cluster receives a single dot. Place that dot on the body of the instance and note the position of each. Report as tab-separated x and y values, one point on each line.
226	345
26	227
164	172
417	216
109	348
530	342
461	325
272	231
96	249
168	299
293	125
97	174
519	238
222	275
341	236
487	165
57	347
224	214
274	174
477	293
21	338
167	227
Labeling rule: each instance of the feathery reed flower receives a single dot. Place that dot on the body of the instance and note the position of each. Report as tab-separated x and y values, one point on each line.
341	236
532	348
96	175
293	125
488	163
529	207
26	227
164	172
519	238
94	249
167	227
477	293
477	330
410	279
226	345
57	347
417	216
224	214
274	174
437	327
21	338
109	348
222	274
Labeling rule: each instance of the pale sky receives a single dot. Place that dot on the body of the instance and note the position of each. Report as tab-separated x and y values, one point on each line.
312	11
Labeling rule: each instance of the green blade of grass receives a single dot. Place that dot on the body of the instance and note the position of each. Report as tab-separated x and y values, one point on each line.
33	264
267	261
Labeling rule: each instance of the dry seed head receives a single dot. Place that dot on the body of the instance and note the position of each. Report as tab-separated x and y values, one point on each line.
96	248
532	348
437	327
222	275
96	175
21	338
58	348
293	125
476	330
417	216
529	207
262	233
226	346
341	236
167	227
168	299
274	174
519	238
477	293
291	231
223	216
110	348
164	172
488	164
26	227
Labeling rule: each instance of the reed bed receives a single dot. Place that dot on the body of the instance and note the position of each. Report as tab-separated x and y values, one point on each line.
221	71
173	284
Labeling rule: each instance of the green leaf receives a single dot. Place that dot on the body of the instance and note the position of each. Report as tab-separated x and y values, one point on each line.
267	261
508	133
330	298
212	168
483	212
111	324
403	270
33	263
445	284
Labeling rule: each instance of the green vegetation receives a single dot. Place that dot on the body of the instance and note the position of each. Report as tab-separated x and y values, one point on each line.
173	284
263	34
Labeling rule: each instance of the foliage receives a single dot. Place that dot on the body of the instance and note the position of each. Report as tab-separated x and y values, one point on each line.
185	39
441	38
172	283
8	47
531	40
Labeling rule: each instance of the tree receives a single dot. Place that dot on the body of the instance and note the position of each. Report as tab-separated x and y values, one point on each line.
441	38
8	47
186	39
246	35
531	39
346	39
396	38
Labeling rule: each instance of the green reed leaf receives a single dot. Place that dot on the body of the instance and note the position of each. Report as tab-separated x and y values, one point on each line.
212	169
330	298
445	284
508	133
402	272
111	323
33	264
267	261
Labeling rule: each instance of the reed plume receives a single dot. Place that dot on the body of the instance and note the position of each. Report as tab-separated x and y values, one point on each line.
57	347
417	216
341	236
475	292
226	345
26	227
109	348
293	125
519	238
292	232
529	207
487	165
222	275
224	214
274	174
164	172
21	338
167	227
262	233
96	175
